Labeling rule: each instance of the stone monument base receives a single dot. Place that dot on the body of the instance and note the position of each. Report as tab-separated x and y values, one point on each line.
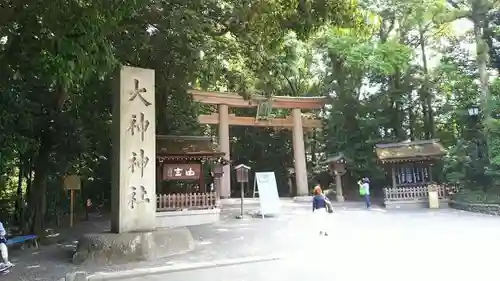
114	248
187	218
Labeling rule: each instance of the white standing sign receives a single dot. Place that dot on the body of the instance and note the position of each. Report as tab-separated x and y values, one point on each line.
268	193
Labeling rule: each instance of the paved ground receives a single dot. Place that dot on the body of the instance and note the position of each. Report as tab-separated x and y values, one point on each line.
395	245
376	243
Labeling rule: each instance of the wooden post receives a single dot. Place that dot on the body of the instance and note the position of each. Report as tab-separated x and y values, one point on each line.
429	170
393	176
71	206
72	183
159	178
242	194
201	181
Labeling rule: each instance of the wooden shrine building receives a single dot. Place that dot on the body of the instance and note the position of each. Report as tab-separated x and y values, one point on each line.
409	169
187	184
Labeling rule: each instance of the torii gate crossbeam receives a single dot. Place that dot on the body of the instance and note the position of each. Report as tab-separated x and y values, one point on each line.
296	122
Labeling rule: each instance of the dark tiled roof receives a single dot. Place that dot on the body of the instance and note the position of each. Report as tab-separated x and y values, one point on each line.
335	158
410	151
185	145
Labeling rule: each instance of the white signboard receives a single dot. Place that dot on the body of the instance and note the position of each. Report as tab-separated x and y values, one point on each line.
268	193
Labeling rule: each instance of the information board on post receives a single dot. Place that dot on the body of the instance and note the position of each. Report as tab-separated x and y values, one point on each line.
270	202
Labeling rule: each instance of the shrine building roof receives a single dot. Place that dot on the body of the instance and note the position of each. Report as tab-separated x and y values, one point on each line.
186	148
333	159
410	151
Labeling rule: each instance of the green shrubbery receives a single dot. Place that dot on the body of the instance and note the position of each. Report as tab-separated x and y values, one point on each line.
477	196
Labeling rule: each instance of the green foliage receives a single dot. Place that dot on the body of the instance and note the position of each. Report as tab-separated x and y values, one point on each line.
492	128
477	196
57	63
363	54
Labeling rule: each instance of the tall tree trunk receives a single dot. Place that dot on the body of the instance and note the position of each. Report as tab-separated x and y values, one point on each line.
38	193
42	159
426	97
396	91
28	175
19	202
314	142
482	60
411	117
397	107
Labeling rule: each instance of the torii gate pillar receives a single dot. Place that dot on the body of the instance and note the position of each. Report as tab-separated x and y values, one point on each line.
296	123
225	188
299	153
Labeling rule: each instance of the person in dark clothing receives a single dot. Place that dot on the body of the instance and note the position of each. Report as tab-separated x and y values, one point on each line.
319	210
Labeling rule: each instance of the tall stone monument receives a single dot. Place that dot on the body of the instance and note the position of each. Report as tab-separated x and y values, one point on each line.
134	152
134	236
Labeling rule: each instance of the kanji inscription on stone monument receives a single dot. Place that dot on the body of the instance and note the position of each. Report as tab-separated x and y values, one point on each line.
134	146
137	92
140	161
138	196
138	125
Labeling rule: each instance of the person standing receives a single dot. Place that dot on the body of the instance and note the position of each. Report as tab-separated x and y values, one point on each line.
319	210
3	247
364	190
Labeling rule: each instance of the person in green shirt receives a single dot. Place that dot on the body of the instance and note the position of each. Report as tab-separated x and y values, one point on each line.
364	190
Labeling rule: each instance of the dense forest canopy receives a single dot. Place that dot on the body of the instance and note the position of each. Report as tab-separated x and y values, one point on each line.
393	70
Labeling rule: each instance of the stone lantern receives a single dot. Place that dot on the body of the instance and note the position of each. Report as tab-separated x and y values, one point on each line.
291	172
217	170
217	173
337	167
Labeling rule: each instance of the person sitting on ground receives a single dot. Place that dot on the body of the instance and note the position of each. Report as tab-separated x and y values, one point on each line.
3	246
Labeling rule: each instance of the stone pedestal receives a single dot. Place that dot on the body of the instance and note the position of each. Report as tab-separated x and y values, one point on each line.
115	248
134	152
338	186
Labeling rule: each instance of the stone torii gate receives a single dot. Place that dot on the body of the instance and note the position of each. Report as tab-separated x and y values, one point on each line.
264	105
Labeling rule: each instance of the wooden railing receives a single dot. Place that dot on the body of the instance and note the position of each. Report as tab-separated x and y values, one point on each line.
183	201
413	193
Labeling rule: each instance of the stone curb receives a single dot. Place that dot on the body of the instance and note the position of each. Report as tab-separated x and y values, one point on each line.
488	209
474	204
101	276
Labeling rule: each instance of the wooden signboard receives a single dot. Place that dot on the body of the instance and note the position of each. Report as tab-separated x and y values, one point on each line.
72	182
181	171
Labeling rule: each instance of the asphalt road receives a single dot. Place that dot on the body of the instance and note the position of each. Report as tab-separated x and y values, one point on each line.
363	245
296	269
